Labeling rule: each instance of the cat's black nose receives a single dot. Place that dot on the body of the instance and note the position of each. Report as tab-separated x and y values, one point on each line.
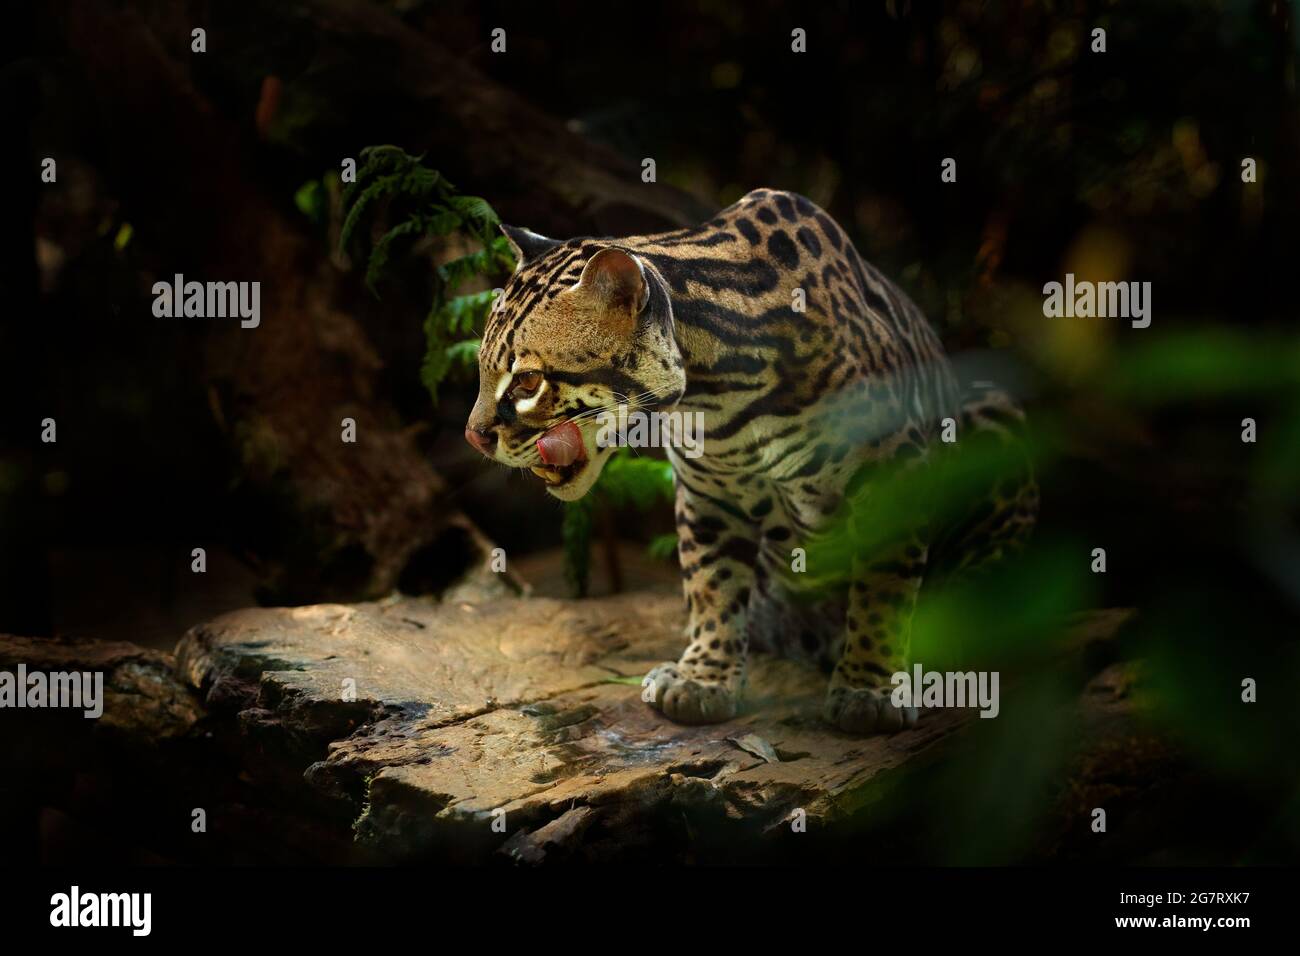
483	441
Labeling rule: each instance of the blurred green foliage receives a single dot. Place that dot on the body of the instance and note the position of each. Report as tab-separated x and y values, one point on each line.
1198	634
628	481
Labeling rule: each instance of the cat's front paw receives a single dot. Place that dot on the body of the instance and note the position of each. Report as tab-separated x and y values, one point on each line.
865	710
687	699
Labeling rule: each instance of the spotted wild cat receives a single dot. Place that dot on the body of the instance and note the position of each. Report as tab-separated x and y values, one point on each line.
799	406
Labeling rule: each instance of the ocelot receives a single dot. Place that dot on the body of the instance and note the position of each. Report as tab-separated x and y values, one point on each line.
814	375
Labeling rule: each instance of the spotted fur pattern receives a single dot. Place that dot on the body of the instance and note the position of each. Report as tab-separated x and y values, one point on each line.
812	372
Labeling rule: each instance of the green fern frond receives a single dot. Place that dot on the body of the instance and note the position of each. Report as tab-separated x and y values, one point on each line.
419	202
383	186
477	211
439	221
379	253
465	314
378	160
464	353
503	259
437	362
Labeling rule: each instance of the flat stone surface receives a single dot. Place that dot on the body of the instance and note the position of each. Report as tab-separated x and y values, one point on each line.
515	726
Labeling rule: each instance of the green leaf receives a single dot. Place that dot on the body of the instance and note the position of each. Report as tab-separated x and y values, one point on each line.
464	354
440	221
504	259
476	209
123	237
467	267
383	186
377	160
420	181
576	535
464	314
436	362
310	200
379	254
663	547
636	482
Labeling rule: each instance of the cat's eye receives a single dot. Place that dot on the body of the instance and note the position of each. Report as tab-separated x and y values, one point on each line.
525	384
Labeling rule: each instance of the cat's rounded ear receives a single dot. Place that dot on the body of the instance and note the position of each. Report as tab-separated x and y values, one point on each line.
526	244
616	279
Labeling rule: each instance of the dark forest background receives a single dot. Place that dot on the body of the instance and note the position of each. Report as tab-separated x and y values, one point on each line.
1122	165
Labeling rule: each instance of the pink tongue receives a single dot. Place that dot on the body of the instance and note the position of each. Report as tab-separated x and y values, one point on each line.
562	445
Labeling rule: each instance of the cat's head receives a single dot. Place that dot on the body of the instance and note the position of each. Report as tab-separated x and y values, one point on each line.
581	327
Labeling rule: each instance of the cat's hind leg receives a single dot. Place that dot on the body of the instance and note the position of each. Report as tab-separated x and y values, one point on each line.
877	635
1000	520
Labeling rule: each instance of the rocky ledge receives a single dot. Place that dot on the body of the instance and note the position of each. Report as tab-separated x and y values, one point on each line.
516	725
495	728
